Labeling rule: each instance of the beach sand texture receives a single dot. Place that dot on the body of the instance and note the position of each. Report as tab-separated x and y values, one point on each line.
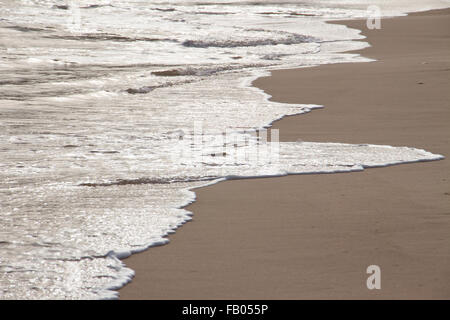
313	236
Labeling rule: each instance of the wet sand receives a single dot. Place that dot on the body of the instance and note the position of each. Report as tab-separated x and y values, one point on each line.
313	236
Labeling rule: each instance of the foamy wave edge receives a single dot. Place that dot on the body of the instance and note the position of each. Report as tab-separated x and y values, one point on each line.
126	275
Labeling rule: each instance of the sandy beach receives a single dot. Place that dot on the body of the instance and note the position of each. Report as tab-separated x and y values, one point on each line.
313	236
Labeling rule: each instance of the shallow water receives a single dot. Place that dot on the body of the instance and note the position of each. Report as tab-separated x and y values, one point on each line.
111	111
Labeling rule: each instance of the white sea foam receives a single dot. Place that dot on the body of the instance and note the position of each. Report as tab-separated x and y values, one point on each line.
93	95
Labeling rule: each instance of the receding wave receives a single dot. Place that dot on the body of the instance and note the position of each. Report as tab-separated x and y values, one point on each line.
25	29
291	14
91	6
213	12
232	43
105	37
95	6
203	71
123	182
141	90
93	171
164	9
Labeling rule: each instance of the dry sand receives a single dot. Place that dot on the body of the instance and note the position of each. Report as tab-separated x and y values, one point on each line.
313	236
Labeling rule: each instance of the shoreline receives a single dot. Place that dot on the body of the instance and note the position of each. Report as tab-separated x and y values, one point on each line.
166	272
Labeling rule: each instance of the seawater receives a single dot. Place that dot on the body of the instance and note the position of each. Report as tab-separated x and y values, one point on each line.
99	98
